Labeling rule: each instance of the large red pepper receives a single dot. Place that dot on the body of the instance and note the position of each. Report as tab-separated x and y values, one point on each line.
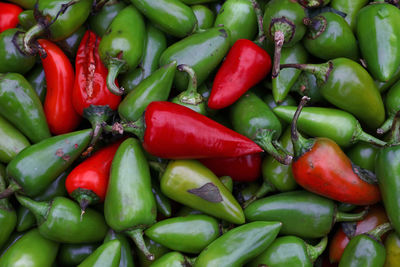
91	77
173	131
60	113
245	168
245	65
9	16
320	166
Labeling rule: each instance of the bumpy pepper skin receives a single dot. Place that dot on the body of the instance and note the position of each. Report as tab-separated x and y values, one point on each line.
378	32
8	16
36	167
239	245
107	255
21	106
31	250
171	16
11	141
191	183
351	9
190	234
392	246
101	19
36	77
74	254
204	16
126	259
201	51
8	217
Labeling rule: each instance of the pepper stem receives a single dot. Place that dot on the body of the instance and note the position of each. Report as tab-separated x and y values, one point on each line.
395	131
320	71
264	189
350	217
30	36
386	125
279	39
137	237
114	68
380	230
315	251
136	127
39	209
360	135
190	96
11	189
261	36
264	138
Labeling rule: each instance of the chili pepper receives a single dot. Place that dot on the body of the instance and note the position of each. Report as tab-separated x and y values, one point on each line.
193	2
329	36
392	105
37	166
130	206
171	16
56	20
354	254
392	246
213	44
155	44
350	8
101	19
383	86
342	236
9	16
25	218
121	47
163	203
239	245
269	100
107	255
227	182
289	251
36	78
377	23
8	217
26	4
204	16
251	117
11	141
12	59
348	86
60	113
363	154
70	44
282	84
11	240
283	24
74	254
60	220
20	105
172	259
306	85
190	98
26	19
314	3
156	249
244	192
245	168
245	65
318	214
320	166
387	169
126	259
32	249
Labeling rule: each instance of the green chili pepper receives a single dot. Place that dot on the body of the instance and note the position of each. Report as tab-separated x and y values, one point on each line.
37	79
107	255
383	86
70	44
74	254
363	154
189	182
126	259
392	246
392	104
350	8
185	211
269	100
204	16
306	85
8	217
156	249
239	245
227	182
11	141
302	213
14	237
26	19
172	259
100	20
163	203
26	4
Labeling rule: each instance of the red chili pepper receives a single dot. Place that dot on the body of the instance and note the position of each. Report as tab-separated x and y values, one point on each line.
242	169
245	65
87	183
60	113
320	166
9	16
90	77
376	216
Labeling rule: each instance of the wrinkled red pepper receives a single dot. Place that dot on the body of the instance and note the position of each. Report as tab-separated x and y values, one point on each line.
90	77
60	113
9	16
245	65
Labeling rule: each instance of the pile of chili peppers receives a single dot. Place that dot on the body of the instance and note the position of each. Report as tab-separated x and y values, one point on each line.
199	133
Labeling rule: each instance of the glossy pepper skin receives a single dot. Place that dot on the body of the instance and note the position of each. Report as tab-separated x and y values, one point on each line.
26	19
21	106
156	249
60	113
90	86
190	234
239	245
101	19
192	184
171	16
302	213
12	141
204	16
36	77
392	105
378	29
245	65
9	16
351	9
34	168
172	259
363	154
306	85
60	220
8	217
32	249
392	246
126	259
121	47
107	255
74	254
320	166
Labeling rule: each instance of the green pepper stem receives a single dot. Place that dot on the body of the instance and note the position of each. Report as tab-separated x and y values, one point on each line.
190	96
320	71
264	138
350	217
11	189
264	189
395	130
386	125
360	135
114	68
136	127
315	251
261	36
39	209
380	230
29	37
137	237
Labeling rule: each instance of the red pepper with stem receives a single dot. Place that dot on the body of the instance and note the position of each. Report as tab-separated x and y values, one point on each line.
320	166
173	131
60	113
9	16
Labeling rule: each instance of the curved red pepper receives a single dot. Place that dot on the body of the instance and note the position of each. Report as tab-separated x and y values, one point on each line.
242	169
176	132
90	77
245	65
60	113
9	16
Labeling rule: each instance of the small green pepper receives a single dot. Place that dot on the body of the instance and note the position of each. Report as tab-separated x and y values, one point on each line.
172	259
126	259
107	255
392	104
37	79
205	17
363	154
11	141
26	19
100	20
350	8
156	249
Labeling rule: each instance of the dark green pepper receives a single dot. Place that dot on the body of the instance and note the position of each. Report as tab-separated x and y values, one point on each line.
306	85
26	4
14	237
11	141
26	19
8	217
204	16
126	259
172	259
70	44
302	213
107	255
392	105
74	254
37	79
121	47
20	105
269	100
163	203
350	8
383	86
237	246
363	154
156	249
